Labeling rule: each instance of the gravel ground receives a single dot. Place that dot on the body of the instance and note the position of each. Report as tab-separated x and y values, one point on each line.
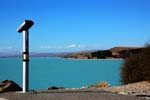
135	91
140	89
86	94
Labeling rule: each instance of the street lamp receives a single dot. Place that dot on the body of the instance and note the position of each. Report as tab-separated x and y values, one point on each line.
25	26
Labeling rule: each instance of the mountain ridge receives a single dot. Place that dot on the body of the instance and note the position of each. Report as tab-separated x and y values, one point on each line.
86	54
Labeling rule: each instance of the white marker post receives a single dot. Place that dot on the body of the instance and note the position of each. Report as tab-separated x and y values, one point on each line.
25	26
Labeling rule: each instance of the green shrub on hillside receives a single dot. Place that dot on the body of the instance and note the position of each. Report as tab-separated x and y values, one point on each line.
136	67
102	54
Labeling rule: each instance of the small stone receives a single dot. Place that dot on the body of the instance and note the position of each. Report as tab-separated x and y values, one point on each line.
124	93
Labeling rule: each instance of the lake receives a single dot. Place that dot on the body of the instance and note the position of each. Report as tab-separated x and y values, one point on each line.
48	71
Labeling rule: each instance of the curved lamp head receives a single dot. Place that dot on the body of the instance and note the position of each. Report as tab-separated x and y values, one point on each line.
25	26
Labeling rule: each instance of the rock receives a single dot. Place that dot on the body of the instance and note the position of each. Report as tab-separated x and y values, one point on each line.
9	86
55	88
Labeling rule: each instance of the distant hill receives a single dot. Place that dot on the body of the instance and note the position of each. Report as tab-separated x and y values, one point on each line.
5	55
10	55
79	55
49	54
118	49
116	52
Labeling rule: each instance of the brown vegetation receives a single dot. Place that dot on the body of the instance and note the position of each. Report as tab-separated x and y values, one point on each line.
99	85
136	67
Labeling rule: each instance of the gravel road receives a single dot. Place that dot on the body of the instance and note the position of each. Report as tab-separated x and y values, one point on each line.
87	94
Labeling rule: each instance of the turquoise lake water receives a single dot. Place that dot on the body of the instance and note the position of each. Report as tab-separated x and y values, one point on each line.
46	72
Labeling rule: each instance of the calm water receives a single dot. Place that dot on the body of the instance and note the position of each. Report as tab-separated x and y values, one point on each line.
46	72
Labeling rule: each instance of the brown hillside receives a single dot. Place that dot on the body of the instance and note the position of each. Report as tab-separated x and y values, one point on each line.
118	49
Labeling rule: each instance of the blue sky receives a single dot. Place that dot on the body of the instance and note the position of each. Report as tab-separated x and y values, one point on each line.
75	25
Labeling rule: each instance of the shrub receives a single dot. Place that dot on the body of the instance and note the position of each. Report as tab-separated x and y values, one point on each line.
102	54
136	67
102	84
99	85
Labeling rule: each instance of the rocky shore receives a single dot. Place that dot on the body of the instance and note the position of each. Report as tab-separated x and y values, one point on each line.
9	86
140	89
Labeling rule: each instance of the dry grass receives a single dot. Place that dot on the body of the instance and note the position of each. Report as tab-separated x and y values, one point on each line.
100	85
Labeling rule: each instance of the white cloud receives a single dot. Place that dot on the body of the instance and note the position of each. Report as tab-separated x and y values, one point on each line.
51	47
61	47
45	47
6	48
3	48
76	46
72	46
9	49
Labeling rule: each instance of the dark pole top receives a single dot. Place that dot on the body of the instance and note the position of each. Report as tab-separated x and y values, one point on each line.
25	26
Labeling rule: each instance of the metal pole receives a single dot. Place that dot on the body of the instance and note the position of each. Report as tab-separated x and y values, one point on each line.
25	61
25	26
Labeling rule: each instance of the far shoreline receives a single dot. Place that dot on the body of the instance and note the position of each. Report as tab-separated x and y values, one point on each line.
94	59
69	58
